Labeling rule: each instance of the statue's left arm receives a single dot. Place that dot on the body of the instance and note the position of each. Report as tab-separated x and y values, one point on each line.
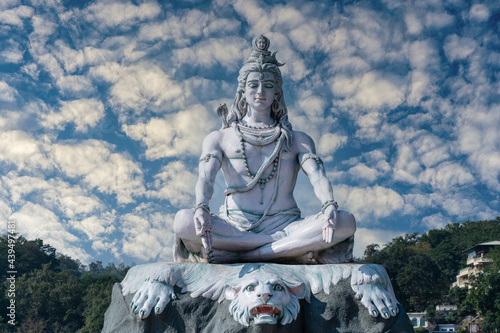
312	165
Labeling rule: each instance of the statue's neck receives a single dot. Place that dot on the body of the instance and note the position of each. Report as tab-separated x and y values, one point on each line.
258	118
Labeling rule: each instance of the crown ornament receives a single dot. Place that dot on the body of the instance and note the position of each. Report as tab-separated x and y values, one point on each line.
260	53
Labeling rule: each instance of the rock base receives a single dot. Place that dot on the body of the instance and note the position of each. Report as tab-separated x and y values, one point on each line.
338	311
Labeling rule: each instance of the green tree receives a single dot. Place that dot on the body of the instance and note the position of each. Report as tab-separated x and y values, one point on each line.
55	297
97	299
411	269
484	296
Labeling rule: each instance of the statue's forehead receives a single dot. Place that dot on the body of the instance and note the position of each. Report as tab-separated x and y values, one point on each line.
261	76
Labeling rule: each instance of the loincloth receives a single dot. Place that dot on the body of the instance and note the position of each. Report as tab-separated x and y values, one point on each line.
253	222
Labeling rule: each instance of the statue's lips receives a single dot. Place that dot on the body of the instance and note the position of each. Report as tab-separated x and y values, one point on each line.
265	310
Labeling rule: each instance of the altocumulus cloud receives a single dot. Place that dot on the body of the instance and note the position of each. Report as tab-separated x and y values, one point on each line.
104	105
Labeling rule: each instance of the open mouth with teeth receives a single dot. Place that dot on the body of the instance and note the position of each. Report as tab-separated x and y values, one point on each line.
265	314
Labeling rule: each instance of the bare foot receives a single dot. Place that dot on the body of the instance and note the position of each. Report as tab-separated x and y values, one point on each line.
308	258
278	235
223	257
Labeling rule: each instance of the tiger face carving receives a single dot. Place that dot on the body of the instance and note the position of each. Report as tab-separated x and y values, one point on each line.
265	299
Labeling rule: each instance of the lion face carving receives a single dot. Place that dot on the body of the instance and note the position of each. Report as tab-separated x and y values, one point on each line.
264	299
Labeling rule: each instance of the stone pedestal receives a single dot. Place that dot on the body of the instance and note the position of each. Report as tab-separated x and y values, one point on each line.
329	299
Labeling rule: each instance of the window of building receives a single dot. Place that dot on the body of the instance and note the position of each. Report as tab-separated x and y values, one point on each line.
414	322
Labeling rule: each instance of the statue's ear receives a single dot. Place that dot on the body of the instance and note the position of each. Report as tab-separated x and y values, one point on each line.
299	289
230	292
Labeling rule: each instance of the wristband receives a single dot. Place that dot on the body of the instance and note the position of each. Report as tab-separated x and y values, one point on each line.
203	206
329	203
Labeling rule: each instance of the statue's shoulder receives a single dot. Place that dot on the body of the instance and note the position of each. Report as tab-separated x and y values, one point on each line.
215	138
300	139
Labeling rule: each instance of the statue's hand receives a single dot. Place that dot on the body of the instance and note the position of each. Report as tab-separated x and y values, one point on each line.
203	227
329	223
377	300
152	294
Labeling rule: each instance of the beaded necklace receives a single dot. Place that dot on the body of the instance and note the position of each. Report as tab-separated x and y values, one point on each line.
263	136
258	136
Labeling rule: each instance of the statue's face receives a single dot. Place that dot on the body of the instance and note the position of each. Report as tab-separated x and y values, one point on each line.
261	44
260	90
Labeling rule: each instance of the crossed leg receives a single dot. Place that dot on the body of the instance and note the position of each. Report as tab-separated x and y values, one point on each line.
302	237
225	236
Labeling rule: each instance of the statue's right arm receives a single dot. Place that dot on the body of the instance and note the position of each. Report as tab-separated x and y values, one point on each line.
209	165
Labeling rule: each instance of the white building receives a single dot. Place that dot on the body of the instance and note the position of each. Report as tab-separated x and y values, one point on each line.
417	319
445	328
476	262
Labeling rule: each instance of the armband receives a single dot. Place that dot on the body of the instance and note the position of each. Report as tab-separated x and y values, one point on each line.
329	203
202	206
208	156
313	156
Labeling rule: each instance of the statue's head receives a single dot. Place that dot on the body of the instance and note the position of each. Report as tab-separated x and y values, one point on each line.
261	61
265	299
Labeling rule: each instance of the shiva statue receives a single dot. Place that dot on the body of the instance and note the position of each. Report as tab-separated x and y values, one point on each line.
260	156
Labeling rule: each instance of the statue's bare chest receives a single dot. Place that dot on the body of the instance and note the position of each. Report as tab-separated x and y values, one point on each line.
240	152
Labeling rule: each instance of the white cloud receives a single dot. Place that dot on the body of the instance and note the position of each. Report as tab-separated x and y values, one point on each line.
7	93
176	183
6	4
459	48
35	221
74	60
436	221
479	13
175	135
431	149
98	166
227	52
113	14
96	227
330	142
16	15
12	53
365	237
406	167
19	148
84	113
438	20
148	234
67	200
413	24
377	91
141	86
369	204
92	161
423	55
363	172
182	28
446	176
479	138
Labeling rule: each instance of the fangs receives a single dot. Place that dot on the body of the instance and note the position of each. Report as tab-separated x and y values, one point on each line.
265	310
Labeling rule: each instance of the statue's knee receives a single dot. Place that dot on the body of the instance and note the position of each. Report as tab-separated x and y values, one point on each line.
348	222
183	219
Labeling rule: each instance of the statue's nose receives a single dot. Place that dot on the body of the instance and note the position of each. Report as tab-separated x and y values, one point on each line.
264	296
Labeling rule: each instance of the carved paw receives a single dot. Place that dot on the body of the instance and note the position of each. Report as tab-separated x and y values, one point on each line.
377	300
152	294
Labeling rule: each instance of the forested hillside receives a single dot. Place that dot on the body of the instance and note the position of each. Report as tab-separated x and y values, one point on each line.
55	293
423	267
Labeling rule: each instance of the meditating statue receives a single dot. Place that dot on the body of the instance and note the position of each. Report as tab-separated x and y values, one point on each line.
260	157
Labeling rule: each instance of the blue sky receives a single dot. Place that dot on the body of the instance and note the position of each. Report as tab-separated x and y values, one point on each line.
104	104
